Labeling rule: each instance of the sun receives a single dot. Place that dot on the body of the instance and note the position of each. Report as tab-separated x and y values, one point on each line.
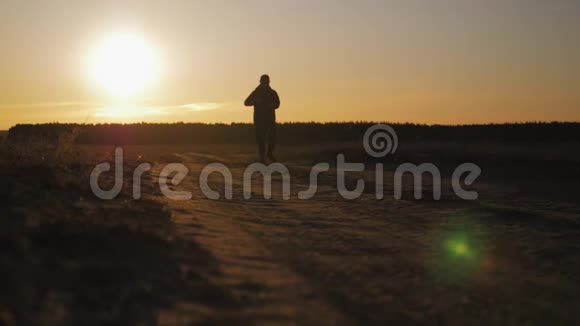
124	65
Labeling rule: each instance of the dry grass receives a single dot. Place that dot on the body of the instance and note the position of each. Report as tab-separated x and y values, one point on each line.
38	150
69	258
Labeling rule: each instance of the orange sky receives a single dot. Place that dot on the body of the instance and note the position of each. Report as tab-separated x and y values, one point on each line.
418	61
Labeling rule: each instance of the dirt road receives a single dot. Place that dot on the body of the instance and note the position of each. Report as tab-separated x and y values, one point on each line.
333	261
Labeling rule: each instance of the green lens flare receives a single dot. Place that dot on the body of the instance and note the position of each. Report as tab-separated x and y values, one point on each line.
459	252
459	248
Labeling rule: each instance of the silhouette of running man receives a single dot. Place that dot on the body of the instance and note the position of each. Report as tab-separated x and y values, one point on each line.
265	101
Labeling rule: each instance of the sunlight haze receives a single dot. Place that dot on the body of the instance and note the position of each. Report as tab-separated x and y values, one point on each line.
446	62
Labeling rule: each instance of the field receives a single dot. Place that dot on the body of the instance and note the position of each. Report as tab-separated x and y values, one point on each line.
510	257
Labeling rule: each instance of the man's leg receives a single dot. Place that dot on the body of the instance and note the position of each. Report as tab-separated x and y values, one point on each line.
260	130
272	140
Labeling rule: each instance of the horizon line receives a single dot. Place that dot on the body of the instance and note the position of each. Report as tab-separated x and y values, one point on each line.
300	122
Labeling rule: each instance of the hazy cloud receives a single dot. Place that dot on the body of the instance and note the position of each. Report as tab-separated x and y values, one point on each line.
152	110
40	105
203	106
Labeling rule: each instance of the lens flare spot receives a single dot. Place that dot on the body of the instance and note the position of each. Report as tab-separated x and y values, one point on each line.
460	249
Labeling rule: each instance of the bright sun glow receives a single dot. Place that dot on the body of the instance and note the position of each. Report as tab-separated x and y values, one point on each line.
124	65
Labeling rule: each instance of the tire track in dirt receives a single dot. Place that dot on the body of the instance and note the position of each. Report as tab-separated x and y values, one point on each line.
266	290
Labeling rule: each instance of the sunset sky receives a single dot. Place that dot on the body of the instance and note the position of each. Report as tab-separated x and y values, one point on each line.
419	61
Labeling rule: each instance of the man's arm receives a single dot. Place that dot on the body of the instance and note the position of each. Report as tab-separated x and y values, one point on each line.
276	100
250	101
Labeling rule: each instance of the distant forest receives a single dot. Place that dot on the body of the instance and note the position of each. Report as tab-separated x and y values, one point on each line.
290	133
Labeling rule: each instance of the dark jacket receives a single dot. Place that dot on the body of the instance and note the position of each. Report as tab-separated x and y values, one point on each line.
263	99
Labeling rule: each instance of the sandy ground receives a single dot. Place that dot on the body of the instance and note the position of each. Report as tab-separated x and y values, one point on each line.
507	258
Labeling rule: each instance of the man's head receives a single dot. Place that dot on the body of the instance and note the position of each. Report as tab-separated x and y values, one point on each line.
265	80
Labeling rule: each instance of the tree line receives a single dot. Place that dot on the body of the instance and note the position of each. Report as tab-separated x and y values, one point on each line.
289	133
